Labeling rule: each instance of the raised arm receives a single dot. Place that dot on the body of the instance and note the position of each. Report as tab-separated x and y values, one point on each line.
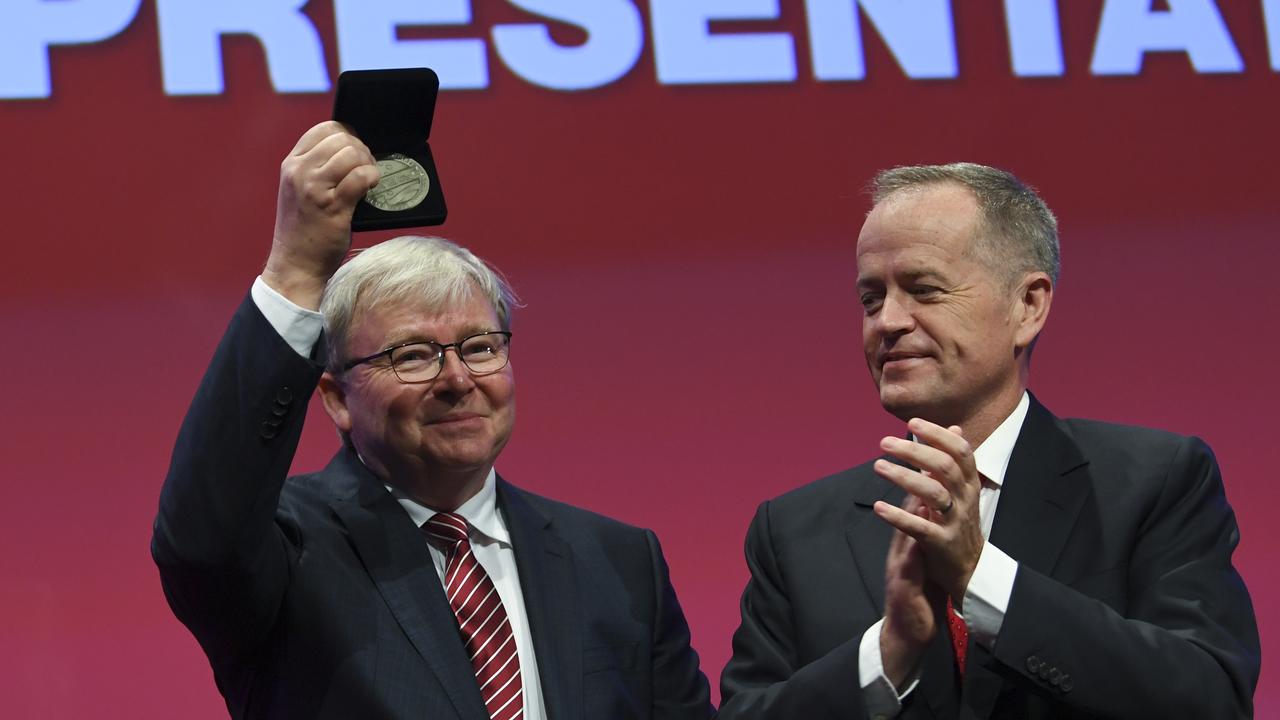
224	553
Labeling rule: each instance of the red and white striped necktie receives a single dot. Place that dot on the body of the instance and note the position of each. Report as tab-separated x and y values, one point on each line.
482	620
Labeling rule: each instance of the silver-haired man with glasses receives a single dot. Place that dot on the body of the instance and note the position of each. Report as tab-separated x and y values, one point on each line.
405	579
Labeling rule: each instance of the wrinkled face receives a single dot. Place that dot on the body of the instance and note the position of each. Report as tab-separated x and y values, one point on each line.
453	425
938	325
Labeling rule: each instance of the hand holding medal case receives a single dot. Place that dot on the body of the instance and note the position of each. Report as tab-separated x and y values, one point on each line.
391	111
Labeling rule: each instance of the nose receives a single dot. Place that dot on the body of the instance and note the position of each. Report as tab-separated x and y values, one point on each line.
454	374
895	317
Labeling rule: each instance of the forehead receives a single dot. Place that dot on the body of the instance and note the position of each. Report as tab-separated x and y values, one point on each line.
931	224
397	321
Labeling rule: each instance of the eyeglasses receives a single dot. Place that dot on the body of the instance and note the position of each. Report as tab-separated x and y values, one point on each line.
422	361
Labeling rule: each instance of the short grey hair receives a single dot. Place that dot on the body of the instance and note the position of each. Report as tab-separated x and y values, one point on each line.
428	270
1017	232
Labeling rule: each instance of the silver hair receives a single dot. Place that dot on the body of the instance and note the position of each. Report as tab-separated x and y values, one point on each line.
428	270
1018	232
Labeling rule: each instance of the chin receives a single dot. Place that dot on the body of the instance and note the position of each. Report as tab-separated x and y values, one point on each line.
903	404
463	460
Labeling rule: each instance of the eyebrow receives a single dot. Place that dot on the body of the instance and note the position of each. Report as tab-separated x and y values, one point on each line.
412	336
913	275
926	273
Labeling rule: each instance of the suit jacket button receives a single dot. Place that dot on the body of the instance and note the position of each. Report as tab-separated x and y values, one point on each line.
1066	684
269	431
284	396
1044	671
1055	676
1033	664
279	410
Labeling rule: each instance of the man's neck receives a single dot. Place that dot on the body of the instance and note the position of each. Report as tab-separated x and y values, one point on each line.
440	490
444	492
978	425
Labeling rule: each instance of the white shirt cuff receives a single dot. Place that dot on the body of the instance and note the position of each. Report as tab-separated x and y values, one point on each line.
298	326
882	698
986	600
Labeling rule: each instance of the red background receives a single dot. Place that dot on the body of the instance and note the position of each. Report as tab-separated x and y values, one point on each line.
676	217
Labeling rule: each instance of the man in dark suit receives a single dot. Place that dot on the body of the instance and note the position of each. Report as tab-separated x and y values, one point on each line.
404	580
1101	587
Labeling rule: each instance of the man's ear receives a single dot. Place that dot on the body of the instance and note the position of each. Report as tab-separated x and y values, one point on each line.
1032	309
334	396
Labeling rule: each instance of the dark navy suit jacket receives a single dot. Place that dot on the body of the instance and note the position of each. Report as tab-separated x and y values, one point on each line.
315	596
1126	604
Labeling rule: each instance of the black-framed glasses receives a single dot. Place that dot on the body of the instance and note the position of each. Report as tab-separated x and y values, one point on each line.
422	360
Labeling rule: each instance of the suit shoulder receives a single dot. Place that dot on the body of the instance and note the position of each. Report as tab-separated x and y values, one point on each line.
315	486
826	503
1100	436
573	517
835	486
1133	451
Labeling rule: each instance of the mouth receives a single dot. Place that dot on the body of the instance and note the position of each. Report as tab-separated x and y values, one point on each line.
899	359
456	418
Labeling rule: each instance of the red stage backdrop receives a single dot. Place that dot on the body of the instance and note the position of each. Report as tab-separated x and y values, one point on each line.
682	173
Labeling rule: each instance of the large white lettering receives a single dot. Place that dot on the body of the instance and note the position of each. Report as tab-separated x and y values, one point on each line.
687	52
29	27
367	39
615	37
191	43
919	33
1271	18
1035	40
1130	28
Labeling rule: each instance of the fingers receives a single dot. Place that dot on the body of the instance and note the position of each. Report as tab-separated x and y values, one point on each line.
356	184
913	525
321	183
339	145
941	454
325	155
354	171
949	440
933	493
901	543
947	483
316	134
938	462
344	160
333	174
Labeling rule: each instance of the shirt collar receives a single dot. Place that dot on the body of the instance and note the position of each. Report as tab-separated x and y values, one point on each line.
480	511
992	456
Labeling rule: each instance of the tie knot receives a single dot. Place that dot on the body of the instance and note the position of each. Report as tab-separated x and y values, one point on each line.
448	527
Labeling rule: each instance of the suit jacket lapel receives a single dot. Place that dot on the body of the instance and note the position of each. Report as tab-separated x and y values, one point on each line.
1038	506
551	600
1039	501
395	555
869	536
869	541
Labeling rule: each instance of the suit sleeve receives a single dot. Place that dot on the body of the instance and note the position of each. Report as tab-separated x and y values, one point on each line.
1186	644
680	690
224	558
764	678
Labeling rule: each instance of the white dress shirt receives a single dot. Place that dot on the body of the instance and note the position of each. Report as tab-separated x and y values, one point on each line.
491	545
490	541
986	599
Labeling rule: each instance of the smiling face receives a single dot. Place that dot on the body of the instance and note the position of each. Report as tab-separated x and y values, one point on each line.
435	440
943	333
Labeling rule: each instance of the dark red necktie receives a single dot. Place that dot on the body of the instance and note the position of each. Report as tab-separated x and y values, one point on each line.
482	620
959	632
